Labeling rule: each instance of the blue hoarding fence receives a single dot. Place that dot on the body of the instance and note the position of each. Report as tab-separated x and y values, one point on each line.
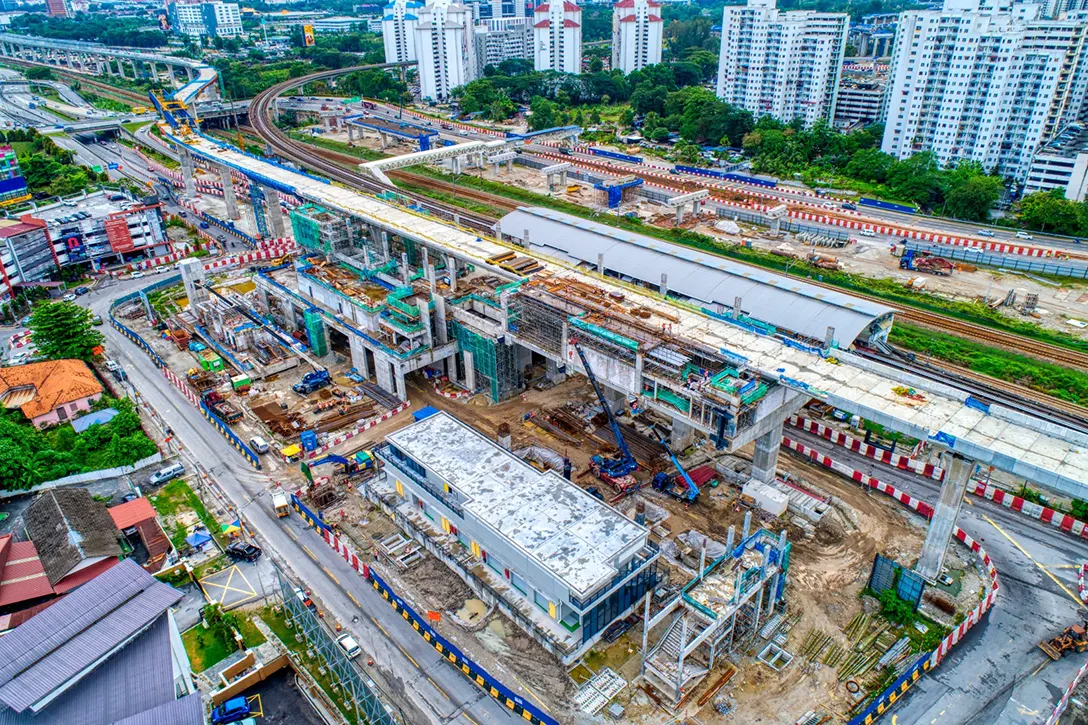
510	700
233	439
616	155
1060	268
887	206
727	176
892	695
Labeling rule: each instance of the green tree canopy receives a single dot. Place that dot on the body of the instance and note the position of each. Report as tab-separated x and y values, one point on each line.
63	330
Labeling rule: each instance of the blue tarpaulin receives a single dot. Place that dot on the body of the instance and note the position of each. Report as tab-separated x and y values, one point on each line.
84	422
198	539
425	412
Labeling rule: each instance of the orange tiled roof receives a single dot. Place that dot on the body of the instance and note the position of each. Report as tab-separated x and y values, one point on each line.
57	383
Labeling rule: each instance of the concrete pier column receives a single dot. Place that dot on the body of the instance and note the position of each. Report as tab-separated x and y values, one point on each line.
188	172
228	192
273	212
765	455
551	372
679	214
451	268
957	472
681	436
470	371
351	133
664	288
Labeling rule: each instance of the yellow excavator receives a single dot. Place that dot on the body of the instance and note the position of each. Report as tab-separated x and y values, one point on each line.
1073	639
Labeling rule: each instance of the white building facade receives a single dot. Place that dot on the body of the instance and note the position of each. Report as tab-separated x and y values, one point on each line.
557	37
207	20
637	30
969	82
399	20
503	39
786	65
446	48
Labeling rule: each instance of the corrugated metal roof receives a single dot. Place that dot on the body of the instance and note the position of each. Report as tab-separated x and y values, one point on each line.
60	644
135	685
786	303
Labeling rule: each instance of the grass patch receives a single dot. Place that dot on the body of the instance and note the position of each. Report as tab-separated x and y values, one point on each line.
466	204
134	126
251	636
327	143
1060	382
177	497
51	108
278	624
152	154
105	103
204	649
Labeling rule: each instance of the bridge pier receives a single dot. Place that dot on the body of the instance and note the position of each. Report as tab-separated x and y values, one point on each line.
228	192
188	172
273	212
958	471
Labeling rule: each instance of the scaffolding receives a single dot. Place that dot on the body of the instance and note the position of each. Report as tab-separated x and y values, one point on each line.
494	363
317	229
315	331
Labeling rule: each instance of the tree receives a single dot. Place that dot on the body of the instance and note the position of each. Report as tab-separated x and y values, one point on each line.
596	65
1051	211
63	330
915	179
969	193
543	114
627	118
870	165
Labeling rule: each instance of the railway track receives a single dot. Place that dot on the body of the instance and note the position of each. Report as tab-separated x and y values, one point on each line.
306	157
84	79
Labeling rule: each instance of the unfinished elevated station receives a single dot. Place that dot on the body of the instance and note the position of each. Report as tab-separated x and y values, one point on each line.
404	291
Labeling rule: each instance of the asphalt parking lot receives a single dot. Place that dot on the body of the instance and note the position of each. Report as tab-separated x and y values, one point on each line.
281	703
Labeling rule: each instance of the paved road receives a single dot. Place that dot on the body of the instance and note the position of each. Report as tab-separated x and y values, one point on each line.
415	676
997	675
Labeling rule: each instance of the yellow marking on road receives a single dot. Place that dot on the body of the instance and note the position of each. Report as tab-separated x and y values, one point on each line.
440	690
308	552
331	575
535	696
292	534
968	501
469	719
1041	666
1046	571
414	663
353	599
379	626
895	720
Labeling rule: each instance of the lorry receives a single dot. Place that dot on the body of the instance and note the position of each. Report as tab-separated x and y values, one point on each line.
312	381
281	504
221	406
925	262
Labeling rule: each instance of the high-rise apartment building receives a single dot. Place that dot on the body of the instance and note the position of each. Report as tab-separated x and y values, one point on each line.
206	19
502	39
495	9
636	34
557	35
445	47
786	65
399	19
989	84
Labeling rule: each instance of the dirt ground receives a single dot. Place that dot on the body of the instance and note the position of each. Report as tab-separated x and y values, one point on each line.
871	257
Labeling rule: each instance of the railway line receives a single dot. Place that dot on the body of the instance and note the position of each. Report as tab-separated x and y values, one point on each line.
306	157
84	79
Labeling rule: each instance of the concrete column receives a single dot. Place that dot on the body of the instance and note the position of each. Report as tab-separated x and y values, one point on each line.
765	455
405	270
351	133
681	436
470	371
273	212
187	172
358	356
679	214
551	372
228	192
664	288
957	472
451	268
600	263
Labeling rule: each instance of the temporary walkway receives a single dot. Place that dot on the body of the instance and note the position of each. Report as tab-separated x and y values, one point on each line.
1048	454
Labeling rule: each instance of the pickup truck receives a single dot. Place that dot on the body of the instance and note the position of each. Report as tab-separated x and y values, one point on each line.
311	382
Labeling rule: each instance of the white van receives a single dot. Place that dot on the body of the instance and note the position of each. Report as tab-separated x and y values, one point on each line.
165	474
350	646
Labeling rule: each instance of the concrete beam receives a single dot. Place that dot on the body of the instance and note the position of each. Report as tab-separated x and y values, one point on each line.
957	473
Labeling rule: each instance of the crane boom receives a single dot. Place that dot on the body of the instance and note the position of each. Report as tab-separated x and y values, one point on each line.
692	489
625	463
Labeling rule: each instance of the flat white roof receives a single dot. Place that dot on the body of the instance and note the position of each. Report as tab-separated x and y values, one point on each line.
549	519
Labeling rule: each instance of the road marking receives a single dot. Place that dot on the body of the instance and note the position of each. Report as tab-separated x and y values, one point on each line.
440	690
1041	666
379	626
535	696
1046	571
308	552
353	599
331	575
403	652
969	501
465	714
291	534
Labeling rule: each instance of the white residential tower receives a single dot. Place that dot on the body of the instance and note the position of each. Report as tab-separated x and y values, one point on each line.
636	34
786	65
399	19
445	48
991	85
557	35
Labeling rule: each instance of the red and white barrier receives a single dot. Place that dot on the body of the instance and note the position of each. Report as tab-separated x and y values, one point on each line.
1064	702
181	384
456	395
1081	590
1057	519
925	509
356	431
857	445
